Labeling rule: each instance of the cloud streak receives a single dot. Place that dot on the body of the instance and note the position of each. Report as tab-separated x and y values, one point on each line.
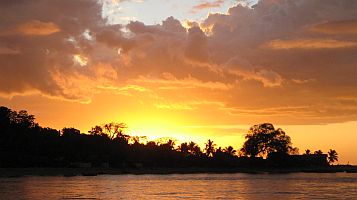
310	44
336	27
36	27
207	5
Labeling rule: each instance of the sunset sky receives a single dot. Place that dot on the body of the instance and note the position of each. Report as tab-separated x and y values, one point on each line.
188	69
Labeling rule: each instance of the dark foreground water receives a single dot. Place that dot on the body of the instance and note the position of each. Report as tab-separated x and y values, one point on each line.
188	186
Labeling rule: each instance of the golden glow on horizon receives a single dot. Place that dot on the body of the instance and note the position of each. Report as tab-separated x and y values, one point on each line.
186	134
145	121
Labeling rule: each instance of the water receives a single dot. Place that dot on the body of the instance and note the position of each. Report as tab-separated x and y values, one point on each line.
188	186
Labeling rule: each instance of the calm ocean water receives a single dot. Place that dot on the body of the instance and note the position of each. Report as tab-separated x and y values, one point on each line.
188	186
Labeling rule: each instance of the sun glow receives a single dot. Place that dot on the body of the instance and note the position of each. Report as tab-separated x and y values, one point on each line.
182	134
176	128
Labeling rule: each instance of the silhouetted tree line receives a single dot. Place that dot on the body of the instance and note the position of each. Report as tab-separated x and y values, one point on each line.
24	143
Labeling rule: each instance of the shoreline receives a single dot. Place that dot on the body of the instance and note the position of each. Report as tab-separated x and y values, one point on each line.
70	172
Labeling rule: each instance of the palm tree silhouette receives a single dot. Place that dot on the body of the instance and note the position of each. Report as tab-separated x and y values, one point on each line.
210	148
194	149
230	151
318	152
332	156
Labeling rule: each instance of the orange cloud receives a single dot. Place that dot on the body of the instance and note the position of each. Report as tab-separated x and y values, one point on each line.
310	44
175	106
188	105
206	5
36	27
168	81
336	27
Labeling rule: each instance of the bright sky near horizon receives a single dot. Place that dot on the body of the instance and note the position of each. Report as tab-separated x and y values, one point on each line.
191	70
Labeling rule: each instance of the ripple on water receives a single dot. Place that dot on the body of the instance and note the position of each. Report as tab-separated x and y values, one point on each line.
185	186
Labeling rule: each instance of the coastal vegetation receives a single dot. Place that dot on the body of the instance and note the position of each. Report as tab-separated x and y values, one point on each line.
24	143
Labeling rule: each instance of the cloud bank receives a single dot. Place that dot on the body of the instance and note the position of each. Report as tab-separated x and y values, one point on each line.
287	60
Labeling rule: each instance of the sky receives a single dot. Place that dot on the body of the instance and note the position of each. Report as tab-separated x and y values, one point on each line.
192	70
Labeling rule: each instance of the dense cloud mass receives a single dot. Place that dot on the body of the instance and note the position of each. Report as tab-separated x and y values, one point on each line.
294	60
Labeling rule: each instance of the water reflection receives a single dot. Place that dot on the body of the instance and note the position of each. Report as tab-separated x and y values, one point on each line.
189	186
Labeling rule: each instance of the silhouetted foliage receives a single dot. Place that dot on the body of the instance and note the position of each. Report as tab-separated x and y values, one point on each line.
332	156
184	148
318	152
23	143
194	149
113	131
230	151
307	152
263	139
210	148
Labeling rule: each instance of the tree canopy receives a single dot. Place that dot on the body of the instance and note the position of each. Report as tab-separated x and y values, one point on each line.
263	139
